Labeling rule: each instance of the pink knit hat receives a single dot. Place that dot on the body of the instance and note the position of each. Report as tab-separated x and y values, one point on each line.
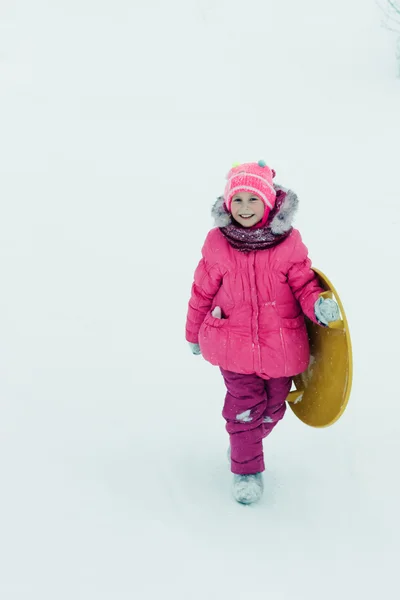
254	178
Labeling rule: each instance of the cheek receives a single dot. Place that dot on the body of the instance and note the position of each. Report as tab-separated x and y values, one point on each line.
235	209
261	210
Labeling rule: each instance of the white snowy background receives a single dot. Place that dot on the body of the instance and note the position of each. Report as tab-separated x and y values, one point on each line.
118	122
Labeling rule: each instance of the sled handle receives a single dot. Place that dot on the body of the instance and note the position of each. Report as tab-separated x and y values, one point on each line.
333	324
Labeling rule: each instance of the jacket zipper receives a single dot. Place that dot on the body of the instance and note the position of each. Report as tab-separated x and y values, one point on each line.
283	347
256	346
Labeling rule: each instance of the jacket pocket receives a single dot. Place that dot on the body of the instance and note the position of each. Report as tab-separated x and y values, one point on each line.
213	321
294	323
289	310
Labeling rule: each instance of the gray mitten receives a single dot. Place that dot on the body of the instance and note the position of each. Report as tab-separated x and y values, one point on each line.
195	348
326	310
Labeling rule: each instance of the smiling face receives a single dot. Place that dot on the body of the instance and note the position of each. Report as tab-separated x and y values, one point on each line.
247	209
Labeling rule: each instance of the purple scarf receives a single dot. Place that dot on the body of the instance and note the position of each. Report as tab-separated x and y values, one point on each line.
251	239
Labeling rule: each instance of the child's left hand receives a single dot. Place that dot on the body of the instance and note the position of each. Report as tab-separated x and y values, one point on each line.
326	310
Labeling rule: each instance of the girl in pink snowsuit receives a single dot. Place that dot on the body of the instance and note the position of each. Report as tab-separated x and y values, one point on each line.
251	290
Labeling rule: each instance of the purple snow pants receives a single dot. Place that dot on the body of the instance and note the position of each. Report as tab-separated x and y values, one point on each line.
252	408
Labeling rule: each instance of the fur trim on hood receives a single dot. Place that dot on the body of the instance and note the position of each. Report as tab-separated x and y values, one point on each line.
281	216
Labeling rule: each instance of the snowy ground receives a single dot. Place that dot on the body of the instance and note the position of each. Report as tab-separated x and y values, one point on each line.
118	122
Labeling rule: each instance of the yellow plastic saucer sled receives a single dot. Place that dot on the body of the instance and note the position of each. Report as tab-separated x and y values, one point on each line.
322	392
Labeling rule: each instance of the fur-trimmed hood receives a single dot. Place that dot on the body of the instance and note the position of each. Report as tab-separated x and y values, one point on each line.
280	219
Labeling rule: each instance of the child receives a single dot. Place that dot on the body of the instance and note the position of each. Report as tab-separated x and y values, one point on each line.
245	315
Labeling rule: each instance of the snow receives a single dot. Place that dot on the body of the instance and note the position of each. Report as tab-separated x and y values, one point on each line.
119	121
268	419
244	416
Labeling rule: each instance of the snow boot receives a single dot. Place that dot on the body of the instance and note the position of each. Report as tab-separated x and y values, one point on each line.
247	489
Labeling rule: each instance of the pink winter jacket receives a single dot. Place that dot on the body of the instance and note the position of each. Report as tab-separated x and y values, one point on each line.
263	296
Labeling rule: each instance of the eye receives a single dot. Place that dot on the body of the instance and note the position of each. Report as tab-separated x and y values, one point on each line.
237	200
253	199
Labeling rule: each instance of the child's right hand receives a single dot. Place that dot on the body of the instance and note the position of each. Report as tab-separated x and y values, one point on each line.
217	314
195	348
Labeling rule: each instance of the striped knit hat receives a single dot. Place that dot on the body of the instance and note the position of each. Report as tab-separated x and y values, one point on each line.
254	178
